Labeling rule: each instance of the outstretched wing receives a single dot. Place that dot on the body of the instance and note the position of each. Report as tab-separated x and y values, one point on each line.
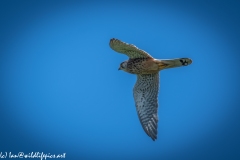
129	49
145	94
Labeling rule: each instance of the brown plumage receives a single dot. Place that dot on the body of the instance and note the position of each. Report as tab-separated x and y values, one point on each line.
145	91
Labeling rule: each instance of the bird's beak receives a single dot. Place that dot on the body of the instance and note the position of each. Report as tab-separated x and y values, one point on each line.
119	68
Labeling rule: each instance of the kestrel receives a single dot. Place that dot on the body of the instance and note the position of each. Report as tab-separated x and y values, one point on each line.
145	91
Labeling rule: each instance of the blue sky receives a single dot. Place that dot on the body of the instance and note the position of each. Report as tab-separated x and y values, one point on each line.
61	91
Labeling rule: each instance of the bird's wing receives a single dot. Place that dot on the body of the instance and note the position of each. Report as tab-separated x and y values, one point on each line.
145	94
129	49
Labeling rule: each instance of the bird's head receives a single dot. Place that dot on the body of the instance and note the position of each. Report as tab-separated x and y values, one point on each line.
123	66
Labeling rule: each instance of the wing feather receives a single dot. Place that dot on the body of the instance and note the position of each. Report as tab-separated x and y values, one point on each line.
145	94
128	49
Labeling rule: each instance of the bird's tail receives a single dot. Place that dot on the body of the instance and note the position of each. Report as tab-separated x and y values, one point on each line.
172	63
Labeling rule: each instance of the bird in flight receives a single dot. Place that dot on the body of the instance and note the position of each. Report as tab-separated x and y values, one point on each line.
145	91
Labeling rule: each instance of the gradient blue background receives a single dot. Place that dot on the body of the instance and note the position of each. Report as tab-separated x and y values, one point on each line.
61	91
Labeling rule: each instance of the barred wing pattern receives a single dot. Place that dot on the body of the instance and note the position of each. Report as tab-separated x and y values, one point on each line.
129	49
145	94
